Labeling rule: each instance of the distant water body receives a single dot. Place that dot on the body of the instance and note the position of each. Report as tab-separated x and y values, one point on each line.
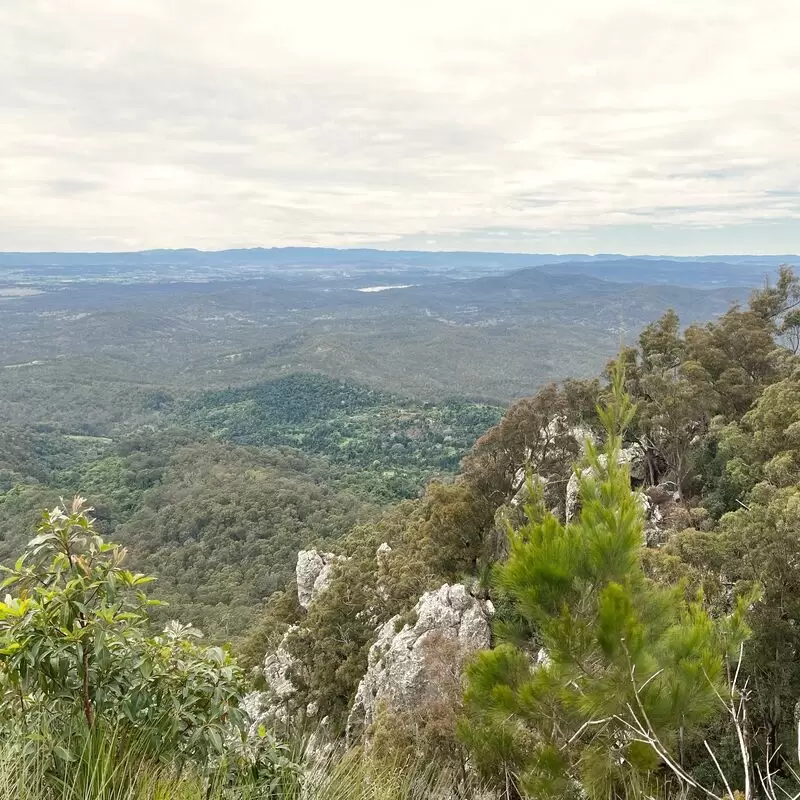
384	288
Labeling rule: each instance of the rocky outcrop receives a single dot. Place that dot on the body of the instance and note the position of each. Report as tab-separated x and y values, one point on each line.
313	571
382	555
272	705
277	667
633	456
276	704
664	513
403	672
523	495
657	502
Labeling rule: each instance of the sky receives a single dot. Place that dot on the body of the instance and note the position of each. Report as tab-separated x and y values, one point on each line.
645	126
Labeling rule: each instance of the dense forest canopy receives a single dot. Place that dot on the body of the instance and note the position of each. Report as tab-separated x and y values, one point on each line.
218	501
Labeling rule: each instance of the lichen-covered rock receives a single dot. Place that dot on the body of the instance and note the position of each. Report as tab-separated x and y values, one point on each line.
272	705
404	662
313	574
383	562
382	554
633	456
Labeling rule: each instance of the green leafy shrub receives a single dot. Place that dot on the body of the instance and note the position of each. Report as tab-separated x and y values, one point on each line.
76	644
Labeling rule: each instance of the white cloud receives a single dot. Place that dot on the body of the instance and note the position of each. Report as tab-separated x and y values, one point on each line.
517	124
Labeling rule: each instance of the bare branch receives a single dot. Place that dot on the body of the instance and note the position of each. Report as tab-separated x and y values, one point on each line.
719	769
766	783
651	678
583	727
738	667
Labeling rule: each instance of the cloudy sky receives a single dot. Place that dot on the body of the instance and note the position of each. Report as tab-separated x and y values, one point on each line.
658	126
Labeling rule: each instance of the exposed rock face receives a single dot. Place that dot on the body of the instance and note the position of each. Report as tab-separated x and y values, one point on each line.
383	561
402	671
382	554
519	485
523	495
654	534
272	705
633	456
275	704
276	669
313	573
663	507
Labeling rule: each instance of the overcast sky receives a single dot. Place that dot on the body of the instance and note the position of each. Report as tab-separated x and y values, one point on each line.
657	126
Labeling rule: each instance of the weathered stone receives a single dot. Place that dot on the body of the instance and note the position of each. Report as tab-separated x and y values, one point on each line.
272	705
523	494
662	512
382	554
313	574
402	665
277	666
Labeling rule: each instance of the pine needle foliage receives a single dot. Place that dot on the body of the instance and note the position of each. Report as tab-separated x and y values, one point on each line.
619	653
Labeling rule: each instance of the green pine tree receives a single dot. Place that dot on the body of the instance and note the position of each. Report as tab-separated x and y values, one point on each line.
629	671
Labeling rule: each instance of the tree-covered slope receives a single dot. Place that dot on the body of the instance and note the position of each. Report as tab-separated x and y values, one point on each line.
216	494
383	445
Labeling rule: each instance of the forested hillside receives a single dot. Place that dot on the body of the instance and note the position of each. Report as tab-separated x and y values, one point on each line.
186	405
661	588
105	349
220	523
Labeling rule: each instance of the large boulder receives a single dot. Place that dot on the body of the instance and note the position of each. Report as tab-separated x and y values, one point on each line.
404	665
313	572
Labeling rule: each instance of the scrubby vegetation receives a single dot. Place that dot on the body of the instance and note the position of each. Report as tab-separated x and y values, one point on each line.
712	415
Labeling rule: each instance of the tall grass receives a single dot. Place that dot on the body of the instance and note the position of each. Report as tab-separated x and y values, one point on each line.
101	767
356	778
97	767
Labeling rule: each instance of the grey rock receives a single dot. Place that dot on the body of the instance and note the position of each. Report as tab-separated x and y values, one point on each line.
522	494
661	504
382	554
277	666
313	574
403	664
272	706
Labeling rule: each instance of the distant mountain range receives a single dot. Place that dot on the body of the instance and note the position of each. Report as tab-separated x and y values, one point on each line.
190	264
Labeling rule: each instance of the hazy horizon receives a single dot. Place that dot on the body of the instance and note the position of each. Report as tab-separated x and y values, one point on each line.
378	249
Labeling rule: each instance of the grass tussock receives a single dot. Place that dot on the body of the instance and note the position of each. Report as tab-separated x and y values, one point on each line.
102	767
